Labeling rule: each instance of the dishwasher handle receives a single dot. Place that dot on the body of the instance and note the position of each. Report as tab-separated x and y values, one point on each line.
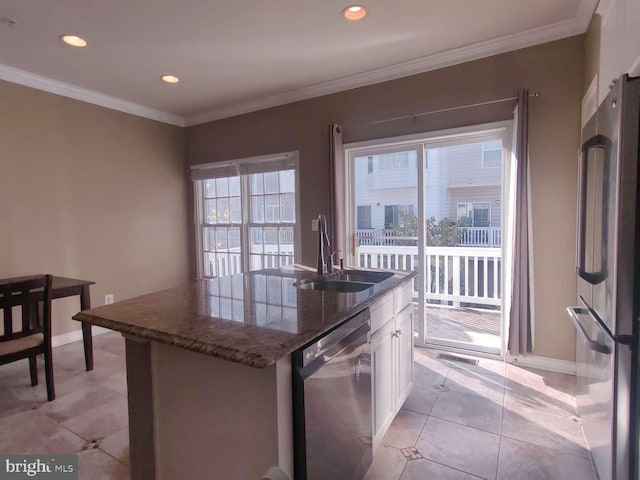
574	314
356	339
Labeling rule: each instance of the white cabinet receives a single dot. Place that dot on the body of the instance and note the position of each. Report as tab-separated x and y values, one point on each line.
391	357
631	41
611	38
404	344
619	42
382	367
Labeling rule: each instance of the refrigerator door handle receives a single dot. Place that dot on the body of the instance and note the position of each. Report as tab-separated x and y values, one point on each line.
574	314
605	144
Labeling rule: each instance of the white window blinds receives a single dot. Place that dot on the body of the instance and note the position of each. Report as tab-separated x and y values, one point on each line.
245	166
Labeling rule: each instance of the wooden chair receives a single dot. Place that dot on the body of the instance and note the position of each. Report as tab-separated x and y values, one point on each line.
33	294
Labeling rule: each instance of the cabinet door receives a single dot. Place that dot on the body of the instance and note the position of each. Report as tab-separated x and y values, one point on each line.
611	40
631	19
382	343
404	339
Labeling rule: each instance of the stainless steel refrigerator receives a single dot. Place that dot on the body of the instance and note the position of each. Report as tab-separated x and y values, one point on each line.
606	316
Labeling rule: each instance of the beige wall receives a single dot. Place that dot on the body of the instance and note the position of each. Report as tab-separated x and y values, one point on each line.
555	69
90	193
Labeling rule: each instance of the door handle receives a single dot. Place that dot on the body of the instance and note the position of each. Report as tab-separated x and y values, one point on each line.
595	277
574	314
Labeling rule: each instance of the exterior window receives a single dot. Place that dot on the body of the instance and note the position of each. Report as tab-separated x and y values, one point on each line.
221	248
394	215
364	217
393	160
492	154
370	165
474	214
245	221
272	216
481	214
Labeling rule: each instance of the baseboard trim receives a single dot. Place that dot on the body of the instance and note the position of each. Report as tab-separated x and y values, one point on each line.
543	363
75	335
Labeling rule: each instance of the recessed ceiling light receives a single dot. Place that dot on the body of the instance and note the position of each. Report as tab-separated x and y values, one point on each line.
170	78
73	40
354	12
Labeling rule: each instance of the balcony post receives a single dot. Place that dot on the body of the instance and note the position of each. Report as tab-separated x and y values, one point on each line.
456	280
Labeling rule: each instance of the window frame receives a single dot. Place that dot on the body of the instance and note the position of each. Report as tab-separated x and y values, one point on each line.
254	164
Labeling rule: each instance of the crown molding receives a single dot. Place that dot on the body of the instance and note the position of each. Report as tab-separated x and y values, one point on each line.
603	6
527	38
39	82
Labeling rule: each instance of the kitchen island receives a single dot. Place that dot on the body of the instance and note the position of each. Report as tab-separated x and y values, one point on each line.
209	368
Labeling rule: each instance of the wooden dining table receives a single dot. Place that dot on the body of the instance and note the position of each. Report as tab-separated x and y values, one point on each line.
69	287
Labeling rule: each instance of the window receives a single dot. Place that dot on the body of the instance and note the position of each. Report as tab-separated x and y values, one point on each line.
395	216
388	161
492	154
245	214
474	214
364	216
221	226
370	165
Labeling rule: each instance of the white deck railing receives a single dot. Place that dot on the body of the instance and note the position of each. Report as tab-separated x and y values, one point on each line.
229	262
453	274
480	236
465	237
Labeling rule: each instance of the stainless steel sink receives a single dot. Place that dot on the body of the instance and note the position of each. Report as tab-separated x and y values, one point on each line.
363	276
331	285
345	281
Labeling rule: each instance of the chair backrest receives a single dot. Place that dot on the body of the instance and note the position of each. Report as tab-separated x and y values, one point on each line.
33	294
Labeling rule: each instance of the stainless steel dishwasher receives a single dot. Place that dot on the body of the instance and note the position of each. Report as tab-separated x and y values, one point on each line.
332	404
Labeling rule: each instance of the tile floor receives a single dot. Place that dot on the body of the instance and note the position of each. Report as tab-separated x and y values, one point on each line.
491	421
461	421
88	417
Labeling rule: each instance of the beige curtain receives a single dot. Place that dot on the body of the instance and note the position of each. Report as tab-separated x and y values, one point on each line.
520	306
337	214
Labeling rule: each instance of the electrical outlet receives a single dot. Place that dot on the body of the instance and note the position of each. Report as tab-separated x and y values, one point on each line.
108	299
314	225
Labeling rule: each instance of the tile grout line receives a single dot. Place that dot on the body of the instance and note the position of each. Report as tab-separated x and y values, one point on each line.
116	459
419	435
425	424
498	457
555	451
452	468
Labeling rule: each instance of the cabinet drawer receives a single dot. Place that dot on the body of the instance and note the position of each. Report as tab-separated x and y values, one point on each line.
381	312
403	296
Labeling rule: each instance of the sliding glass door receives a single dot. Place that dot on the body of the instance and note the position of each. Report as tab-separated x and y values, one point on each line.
463	222
434	205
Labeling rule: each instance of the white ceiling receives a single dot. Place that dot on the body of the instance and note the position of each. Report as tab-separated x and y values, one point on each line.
237	56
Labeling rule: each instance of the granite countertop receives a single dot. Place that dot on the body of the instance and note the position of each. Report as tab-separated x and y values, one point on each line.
253	318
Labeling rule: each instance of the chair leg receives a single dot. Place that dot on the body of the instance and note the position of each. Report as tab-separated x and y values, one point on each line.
48	371
33	369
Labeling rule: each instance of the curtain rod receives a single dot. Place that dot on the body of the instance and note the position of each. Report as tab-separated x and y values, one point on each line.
471	105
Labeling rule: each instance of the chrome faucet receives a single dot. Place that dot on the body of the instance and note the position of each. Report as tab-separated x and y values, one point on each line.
323	241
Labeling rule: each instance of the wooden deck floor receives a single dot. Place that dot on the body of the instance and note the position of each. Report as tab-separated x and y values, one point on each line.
472	326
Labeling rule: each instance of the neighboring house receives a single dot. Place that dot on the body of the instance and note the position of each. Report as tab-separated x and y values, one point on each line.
463	184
